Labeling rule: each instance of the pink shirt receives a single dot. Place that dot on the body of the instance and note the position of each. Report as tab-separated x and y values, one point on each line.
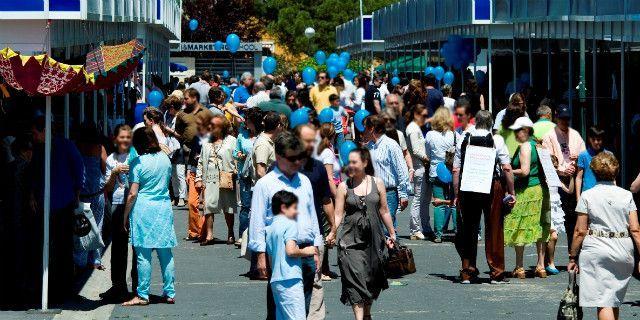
564	145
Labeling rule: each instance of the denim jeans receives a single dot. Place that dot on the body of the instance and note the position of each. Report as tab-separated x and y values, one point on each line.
245	205
144	271
392	203
442	213
420	220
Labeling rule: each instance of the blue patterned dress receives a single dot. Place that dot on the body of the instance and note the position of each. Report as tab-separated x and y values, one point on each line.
151	218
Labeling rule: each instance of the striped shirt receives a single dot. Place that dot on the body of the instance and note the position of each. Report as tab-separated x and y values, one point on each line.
389	164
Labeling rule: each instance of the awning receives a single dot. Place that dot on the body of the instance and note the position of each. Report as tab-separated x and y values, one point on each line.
173	67
404	64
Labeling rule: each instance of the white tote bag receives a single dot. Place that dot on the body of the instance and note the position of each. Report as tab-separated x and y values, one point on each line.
87	236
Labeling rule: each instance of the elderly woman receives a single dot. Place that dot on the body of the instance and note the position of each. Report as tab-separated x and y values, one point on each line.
148	215
604	237
216	168
525	224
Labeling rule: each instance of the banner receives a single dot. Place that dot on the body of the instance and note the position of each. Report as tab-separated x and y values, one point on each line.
477	171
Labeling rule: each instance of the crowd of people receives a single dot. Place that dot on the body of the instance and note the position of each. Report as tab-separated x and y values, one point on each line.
229	147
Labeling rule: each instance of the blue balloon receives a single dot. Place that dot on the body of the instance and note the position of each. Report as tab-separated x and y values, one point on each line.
155	98
233	43
348	74
193	24
227	92
298	117
309	75
341	65
358	119
326	115
269	65
218	45
320	57
334	56
332	62
428	70
443	173
345	148
345	55
448	78
225	74
438	72
333	71
395	81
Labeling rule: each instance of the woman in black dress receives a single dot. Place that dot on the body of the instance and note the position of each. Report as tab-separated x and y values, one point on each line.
361	210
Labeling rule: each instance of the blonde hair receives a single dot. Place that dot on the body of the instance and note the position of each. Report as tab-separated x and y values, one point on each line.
605	166
442	120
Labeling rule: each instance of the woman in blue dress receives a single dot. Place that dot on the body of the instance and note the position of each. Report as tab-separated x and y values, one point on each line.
148	215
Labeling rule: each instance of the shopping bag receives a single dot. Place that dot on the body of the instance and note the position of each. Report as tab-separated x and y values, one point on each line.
87	236
569	308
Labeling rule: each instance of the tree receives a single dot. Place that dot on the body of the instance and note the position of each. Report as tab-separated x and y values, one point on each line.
218	18
287	20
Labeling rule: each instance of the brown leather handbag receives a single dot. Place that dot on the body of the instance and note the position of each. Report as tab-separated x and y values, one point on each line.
400	261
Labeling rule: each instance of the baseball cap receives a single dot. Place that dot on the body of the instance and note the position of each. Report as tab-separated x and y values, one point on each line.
563	112
522	122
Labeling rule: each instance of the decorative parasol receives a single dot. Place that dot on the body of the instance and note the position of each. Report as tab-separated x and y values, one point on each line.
41	75
44	76
110	64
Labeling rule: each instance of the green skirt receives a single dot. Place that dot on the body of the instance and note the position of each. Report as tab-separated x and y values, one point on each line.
526	224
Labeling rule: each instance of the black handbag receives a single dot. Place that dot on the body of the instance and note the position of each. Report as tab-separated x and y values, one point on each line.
400	261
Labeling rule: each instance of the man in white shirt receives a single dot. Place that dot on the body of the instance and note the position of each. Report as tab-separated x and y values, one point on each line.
261	94
203	87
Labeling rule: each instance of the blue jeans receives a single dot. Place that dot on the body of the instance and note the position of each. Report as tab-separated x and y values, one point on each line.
245	205
392	202
144	271
442	213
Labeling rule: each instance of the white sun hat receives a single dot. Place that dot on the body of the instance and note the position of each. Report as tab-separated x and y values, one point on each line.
522	122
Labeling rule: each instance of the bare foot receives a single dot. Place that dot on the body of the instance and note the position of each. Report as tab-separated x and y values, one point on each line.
136	301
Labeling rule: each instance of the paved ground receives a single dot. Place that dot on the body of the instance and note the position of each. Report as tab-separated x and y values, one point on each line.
209	287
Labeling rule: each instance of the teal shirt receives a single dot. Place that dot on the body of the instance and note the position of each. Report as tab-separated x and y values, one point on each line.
275	105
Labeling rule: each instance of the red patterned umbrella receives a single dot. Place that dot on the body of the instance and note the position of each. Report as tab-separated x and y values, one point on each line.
110	64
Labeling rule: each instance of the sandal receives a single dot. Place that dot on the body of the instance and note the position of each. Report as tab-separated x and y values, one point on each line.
209	242
231	240
541	273
136	301
519	273
170	300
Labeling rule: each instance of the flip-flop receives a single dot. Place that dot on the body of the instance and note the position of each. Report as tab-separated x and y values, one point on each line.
139	302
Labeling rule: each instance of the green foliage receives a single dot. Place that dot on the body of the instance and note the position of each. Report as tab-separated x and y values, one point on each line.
289	18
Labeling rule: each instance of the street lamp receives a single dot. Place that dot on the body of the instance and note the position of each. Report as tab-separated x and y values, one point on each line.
309	32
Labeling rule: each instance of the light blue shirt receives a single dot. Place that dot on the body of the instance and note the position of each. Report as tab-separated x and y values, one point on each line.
244	144
437	144
261	215
389	165
283	267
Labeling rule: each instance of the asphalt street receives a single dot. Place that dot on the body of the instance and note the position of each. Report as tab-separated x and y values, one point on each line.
209	285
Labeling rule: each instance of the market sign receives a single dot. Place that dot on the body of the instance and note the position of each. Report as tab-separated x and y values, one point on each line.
209	46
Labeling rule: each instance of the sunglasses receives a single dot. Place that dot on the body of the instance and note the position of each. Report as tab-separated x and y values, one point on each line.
460	115
322	77
296	157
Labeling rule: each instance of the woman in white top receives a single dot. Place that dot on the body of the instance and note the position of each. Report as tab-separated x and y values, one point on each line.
153	118
606	230
327	156
361	85
117	173
420	221
346	95
439	140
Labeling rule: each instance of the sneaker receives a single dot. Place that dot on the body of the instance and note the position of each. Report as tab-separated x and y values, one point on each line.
326	277
181	203
500	281
552	270
437	240
417	236
467	276
479	238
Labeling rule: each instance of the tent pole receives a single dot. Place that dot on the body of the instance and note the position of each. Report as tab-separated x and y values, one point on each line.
47	206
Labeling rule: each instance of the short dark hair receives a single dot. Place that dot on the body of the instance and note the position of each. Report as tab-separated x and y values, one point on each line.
375	122
216	94
282	197
153	114
463	102
268	83
255	116
430	80
595	132
191	92
287	141
145	141
333	97
271	121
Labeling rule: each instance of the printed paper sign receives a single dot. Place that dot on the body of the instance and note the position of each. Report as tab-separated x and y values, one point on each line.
549	170
477	172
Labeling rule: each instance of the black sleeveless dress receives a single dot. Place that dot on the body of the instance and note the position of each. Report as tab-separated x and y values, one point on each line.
362	251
